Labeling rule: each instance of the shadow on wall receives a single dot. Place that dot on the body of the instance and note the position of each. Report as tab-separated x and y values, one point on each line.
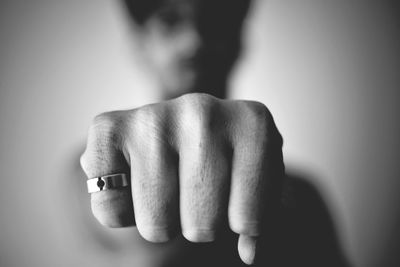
301	234
304	234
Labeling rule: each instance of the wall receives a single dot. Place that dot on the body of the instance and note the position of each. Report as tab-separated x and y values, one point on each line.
328	70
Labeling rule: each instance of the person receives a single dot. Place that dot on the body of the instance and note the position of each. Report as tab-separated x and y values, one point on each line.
197	165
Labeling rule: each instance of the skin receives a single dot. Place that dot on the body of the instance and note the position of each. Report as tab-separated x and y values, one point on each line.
198	164
193	161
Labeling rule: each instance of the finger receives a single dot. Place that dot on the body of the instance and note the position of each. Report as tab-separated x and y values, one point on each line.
154	172
247	246
204	186
257	146
103	156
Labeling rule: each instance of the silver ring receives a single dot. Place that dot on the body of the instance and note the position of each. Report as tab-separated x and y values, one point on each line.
106	182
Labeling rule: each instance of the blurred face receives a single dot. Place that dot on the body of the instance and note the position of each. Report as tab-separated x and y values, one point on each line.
192	44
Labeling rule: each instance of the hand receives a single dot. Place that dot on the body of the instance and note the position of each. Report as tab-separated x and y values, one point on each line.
195	162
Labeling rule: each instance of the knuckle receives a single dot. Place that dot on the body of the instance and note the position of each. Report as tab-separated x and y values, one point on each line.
197	98
108	127
155	234
199	112
105	135
105	141
105	218
147	125
109	220
113	209
147	116
257	115
259	120
242	219
244	228
197	235
197	102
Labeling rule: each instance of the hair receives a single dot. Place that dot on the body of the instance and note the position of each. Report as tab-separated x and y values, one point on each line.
141	10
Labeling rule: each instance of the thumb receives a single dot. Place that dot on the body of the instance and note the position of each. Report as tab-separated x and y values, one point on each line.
247	246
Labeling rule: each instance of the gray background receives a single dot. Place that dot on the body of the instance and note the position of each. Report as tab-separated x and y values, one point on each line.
328	70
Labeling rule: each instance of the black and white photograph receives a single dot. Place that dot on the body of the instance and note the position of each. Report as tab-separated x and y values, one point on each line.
204	133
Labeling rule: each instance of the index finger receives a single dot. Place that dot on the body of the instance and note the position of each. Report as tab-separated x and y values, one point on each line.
257	172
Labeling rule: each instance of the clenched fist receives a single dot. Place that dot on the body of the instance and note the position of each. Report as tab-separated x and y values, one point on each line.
196	163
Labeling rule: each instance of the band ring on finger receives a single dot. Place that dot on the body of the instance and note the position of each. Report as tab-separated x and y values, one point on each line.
106	182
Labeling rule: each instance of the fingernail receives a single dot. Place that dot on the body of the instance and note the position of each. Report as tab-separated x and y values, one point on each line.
156	234
245	228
